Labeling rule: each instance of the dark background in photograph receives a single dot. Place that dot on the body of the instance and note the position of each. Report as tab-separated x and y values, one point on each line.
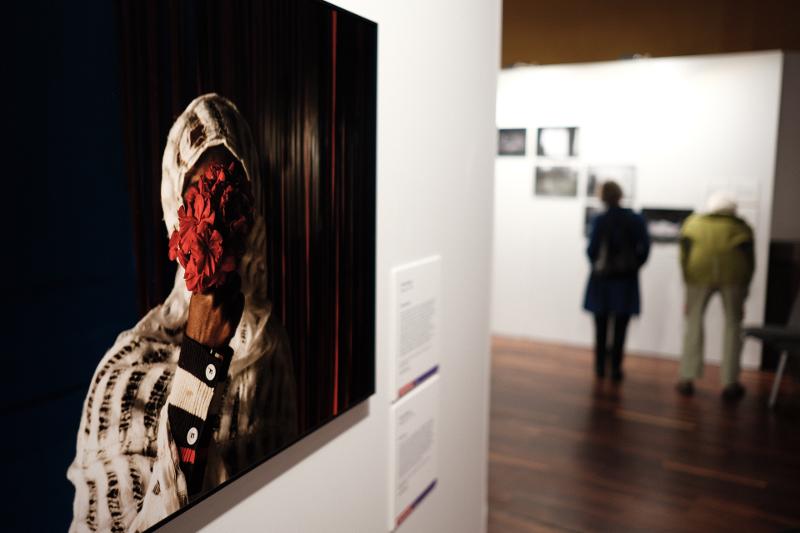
568	145
511	141
103	83
73	288
664	225
555	181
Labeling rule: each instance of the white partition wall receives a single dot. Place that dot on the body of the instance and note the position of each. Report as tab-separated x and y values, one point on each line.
688	125
437	75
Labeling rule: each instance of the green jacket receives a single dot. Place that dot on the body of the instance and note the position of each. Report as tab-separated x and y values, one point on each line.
717	249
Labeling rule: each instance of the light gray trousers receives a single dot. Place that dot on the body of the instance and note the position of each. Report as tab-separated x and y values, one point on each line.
697	297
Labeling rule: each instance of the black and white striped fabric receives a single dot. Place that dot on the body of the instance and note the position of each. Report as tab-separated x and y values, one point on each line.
127	470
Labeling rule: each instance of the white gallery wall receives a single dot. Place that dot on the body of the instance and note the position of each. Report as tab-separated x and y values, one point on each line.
689	125
437	74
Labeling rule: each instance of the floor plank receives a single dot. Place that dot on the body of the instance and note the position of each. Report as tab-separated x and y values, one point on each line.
570	453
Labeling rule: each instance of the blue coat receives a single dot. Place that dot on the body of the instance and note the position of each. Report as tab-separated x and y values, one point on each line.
619	294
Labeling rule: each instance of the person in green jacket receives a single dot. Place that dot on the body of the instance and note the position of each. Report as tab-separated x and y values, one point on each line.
716	256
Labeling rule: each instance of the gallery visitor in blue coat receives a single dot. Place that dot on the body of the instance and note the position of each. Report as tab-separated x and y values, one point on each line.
618	247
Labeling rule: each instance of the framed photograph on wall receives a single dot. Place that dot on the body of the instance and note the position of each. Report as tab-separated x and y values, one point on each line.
559	181
557	143
623	175
511	141
664	224
589	214
219	303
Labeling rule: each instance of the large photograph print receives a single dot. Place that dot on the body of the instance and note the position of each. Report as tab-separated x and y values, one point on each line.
249	153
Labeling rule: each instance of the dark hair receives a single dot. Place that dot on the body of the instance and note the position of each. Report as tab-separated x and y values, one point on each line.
611	193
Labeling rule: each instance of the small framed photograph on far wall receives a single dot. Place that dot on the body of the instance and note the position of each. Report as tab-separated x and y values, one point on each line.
557	143
589	214
511	141
556	181
623	175
664	224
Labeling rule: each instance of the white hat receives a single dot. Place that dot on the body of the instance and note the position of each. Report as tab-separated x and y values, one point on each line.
721	202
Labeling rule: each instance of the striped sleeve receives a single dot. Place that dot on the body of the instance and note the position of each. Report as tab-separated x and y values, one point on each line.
126	470
200	370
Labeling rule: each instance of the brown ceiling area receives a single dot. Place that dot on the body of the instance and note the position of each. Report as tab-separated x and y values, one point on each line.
569	31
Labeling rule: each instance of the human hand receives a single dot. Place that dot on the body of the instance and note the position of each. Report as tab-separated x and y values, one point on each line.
214	315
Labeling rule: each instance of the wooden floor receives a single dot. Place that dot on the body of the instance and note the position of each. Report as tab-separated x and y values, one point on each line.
570	454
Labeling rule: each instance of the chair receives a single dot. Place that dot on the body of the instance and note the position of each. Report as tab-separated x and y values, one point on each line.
784	338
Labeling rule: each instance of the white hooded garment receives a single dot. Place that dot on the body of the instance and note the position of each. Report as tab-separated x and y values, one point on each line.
126	469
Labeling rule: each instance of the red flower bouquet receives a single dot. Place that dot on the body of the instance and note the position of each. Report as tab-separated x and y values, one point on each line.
214	220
